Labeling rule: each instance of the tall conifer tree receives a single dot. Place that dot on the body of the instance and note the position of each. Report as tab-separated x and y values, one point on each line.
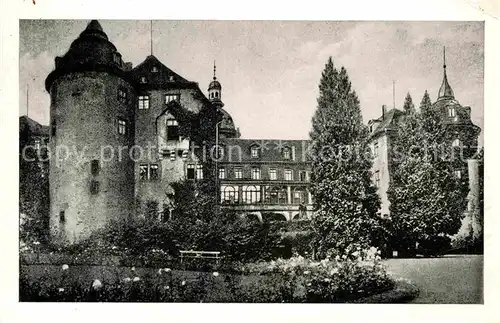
427	197
344	196
408	106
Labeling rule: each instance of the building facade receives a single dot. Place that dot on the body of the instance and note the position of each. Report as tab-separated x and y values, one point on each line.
120	136
267	178
461	134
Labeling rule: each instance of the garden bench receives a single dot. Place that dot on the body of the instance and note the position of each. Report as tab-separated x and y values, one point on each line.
200	254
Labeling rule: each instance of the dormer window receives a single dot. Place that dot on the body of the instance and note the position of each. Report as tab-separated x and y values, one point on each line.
172	97
154	69
144	80
172	129
171	78
117	58
219	152
286	153
254	152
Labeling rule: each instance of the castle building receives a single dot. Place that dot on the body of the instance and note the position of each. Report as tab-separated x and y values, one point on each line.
120	136
460	133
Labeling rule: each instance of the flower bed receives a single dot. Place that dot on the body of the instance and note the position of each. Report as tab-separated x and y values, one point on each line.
298	280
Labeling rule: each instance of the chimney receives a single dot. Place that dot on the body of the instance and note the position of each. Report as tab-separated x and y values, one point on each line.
384	111
128	66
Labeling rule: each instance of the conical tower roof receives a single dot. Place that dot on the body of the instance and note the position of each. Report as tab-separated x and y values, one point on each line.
94	29
91	51
445	91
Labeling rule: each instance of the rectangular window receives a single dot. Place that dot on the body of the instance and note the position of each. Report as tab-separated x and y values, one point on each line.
143	172
375	149
254	151
255	173
172	129
190	171
377	178
222	173
172	97
199	171
288	175
94	187
303	175
122	95
122	126
53	128
153	172
62	217
94	167
272	174
238	173
143	102
37	144
458	174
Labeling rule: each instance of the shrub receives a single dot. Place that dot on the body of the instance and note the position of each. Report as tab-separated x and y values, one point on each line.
342	279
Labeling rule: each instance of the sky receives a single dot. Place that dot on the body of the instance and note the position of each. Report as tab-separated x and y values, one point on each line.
270	70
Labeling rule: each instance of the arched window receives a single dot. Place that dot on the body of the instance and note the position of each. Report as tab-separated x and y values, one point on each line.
276	195
452	113
456	143
216	94
212	95
229	194
251	194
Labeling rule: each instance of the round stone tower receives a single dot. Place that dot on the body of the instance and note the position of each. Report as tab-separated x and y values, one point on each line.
91	133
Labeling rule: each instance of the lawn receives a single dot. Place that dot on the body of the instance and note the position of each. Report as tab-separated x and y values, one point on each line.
454	279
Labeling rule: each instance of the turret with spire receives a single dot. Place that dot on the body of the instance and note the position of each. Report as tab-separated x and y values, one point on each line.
445	91
215	91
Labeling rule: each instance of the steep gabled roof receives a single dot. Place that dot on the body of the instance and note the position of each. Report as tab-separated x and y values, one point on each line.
388	121
163	77
239	150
